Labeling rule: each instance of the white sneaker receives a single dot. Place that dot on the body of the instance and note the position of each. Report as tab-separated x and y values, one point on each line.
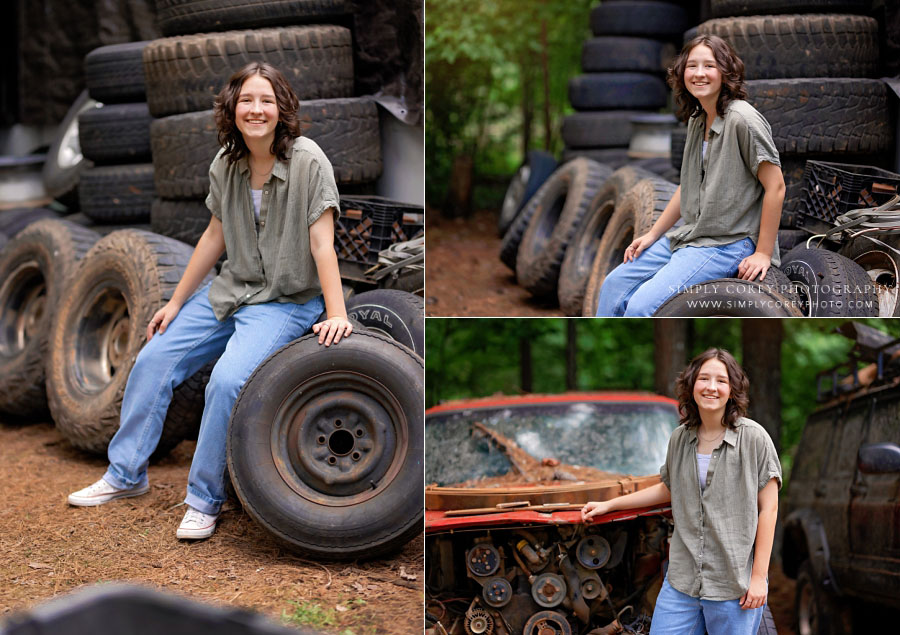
102	492
196	525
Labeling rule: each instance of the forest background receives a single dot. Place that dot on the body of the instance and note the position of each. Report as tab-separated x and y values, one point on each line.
481	357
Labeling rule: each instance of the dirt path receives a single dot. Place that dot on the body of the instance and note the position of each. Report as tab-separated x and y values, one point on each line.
48	548
464	275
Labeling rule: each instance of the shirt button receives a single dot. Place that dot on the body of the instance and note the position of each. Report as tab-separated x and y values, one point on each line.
265	191
262	223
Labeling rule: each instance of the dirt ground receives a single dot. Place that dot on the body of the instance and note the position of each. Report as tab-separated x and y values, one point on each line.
464	275
48	548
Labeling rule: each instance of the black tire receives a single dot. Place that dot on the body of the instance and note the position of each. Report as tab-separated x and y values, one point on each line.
346	130
3	240
722	8
580	254
99	327
287	484
641	206
618	54
829	284
34	269
185	73
183	220
396	314
877	257
787	46
817	611
613	157
604	129
773	297
13	221
616	91
767	624
828	115
116	133
176	17
562	203
117	193
115	73
790	238
640	18
679	137
536	169
65	162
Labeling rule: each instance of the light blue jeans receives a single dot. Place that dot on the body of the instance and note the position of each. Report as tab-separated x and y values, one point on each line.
244	340
640	287
677	613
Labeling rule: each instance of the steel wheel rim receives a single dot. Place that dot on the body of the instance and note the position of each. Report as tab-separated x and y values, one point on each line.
882	270
515	193
23	297
339	438
103	339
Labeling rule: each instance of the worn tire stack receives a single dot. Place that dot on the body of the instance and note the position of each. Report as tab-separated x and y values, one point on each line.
624	64
115	136
210	41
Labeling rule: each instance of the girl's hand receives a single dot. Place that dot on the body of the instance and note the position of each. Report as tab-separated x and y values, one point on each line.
637	247
755	264
332	330
594	508
755	596
162	318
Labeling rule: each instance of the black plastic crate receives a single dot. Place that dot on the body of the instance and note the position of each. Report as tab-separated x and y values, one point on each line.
369	224
833	189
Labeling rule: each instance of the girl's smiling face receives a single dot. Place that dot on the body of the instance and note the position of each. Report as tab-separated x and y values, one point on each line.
701	74
256	112
712	388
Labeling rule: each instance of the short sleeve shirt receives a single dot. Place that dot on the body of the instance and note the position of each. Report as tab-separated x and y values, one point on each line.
711	552
271	261
721	197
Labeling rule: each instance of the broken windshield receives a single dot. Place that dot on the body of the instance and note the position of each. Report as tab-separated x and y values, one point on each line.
620	437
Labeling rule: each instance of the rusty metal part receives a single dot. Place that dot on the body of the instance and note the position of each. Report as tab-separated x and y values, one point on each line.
483	560
593	551
522	462
610	629
574	599
497	592
547	623
339	438
522	565
479	622
530	554
591	587
452	498
548	590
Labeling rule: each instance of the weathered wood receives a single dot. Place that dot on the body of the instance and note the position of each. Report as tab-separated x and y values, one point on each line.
669	353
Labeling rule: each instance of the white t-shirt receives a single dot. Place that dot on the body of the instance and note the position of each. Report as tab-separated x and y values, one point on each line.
702	468
257	201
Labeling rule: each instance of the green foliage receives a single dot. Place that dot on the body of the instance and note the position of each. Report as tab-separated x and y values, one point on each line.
483	71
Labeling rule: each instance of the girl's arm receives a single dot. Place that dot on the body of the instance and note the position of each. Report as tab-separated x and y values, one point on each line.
663	224
767	502
758	263
321	241
209	249
654	495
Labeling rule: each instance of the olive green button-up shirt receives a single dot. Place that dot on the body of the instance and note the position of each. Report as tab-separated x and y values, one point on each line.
721	198
711	552
271	262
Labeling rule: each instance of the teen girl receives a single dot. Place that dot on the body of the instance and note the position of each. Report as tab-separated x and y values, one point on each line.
730	196
273	200
721	477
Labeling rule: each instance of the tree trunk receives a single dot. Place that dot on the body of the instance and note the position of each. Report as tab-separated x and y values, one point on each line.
545	66
571	354
669	353
525	362
459	194
761	341
527	69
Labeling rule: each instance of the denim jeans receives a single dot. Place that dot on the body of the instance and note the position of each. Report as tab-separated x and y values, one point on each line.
677	613
243	340
640	287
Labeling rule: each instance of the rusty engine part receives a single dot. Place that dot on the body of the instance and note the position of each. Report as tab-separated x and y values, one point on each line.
550	580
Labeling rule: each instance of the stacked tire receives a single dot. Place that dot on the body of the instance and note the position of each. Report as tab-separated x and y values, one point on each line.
624	64
115	136
210	41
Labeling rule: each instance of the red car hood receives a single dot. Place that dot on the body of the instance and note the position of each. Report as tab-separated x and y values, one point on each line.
437	521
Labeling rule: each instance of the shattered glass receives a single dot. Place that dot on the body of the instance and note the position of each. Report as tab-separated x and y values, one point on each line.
626	438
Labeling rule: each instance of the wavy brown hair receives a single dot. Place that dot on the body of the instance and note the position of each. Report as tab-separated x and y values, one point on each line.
288	127
730	66
738	401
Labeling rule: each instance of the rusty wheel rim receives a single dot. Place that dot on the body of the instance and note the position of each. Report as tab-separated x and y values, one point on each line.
103	341
339	438
23	298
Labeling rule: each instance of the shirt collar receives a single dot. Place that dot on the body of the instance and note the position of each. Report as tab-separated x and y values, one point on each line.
730	434
279	169
718	125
